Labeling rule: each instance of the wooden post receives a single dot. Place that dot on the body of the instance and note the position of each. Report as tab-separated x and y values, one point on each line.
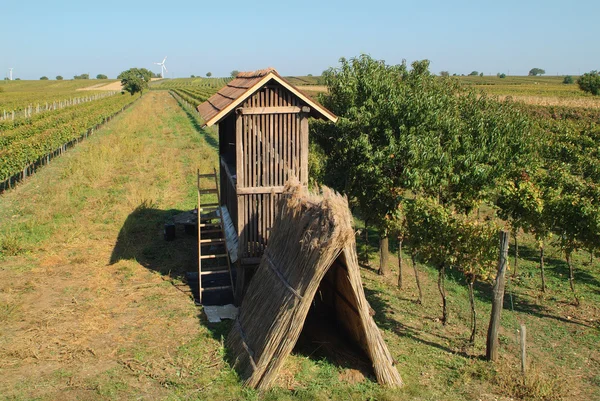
523	349
497	300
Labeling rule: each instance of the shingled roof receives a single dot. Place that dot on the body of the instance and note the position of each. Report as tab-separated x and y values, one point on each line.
243	86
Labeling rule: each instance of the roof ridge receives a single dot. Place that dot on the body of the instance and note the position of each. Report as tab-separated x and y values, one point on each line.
257	73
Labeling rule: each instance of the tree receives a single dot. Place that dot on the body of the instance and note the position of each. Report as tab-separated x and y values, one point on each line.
209	74
59	78
192	76
403	130
481	74
82	76
502	75
568	80
444	74
101	76
536	71
44	78
135	80
590	82
234	73
474	73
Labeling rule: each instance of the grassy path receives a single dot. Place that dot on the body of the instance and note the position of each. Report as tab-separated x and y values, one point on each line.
85	309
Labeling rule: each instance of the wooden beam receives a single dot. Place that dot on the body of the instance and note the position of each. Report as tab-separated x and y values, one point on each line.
260	190
269	110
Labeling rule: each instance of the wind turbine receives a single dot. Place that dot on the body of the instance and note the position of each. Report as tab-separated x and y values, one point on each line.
10	74
163	68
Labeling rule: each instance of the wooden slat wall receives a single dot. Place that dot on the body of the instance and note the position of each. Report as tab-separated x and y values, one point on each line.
272	146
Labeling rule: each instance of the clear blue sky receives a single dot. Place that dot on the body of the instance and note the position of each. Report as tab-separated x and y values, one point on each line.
301	37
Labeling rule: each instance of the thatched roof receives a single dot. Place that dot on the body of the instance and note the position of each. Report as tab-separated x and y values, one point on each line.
243	86
311	234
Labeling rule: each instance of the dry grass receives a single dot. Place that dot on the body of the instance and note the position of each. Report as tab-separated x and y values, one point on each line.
73	324
583	102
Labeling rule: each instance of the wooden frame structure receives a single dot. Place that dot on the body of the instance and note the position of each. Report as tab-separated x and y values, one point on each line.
263	141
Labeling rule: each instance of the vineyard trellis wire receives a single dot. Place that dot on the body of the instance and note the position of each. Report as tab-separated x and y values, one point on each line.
29	110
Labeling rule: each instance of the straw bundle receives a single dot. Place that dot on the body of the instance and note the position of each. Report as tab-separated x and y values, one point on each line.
311	234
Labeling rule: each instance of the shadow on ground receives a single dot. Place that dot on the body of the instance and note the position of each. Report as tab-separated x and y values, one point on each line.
141	238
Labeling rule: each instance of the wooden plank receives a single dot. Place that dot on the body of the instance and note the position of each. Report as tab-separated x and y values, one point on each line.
288	128
239	153
304	148
261	190
269	110
222	255
230	235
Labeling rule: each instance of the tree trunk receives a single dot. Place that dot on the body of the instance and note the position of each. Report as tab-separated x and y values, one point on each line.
414	263
400	263
516	253
571	276
442	290
384	256
542	268
491	349
366	255
473	311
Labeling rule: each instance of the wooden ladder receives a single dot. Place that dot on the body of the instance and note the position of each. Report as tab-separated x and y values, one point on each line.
211	225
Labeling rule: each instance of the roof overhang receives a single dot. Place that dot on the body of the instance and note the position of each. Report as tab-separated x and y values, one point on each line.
321	111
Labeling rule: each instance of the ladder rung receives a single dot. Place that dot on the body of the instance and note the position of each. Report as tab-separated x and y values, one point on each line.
220	255
211	225
222	287
207	191
207	272
206	175
212	241
209	204
202	209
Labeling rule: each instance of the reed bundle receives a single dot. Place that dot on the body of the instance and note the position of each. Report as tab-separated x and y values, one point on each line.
312	238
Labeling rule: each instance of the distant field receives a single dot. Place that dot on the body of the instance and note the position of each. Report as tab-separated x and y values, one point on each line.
178	83
17	95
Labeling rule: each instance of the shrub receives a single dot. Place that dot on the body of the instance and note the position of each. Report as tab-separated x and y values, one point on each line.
503	75
59	78
568	80
101	76
44	78
590	82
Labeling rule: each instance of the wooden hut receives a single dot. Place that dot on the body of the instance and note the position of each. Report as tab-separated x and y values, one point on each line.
263	141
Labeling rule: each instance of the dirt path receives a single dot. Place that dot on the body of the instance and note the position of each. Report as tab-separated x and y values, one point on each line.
113	86
90	306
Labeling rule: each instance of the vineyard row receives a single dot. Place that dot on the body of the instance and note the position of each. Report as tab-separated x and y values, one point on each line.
23	156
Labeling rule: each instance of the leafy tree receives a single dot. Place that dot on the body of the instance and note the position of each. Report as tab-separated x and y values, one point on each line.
536	71
135	80
209	74
82	76
444	74
192	76
101	76
590	82
481	74
520	203
44	78
573	205
59	78
402	130
501	75
309	75
474	73
234	73
567	80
